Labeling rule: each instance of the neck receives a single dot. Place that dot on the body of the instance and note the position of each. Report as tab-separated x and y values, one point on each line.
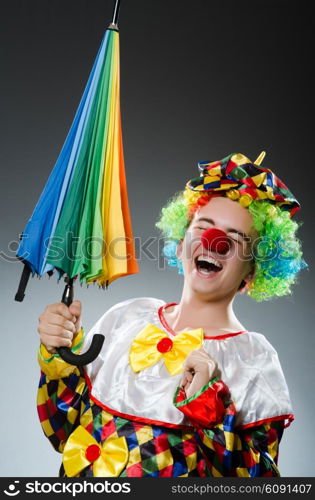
215	316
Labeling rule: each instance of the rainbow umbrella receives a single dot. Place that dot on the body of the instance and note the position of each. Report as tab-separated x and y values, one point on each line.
81	225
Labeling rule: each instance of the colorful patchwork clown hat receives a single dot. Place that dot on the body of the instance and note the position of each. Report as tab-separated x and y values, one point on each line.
244	181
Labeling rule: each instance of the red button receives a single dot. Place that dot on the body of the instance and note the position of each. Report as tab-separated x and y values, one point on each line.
92	452
164	345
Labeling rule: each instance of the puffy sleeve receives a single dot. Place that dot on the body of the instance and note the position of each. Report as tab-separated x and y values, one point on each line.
229	450
62	395
63	399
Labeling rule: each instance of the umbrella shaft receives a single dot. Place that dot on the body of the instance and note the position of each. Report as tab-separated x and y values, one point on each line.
67	297
116	12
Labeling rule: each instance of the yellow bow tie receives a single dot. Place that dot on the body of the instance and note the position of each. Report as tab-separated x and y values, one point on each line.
82	449
152	344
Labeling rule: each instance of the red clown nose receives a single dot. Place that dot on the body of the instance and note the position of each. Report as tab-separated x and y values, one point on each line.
215	240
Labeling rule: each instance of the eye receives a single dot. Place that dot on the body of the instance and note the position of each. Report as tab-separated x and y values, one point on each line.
235	241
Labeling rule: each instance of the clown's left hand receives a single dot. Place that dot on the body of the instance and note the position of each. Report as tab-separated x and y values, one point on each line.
199	369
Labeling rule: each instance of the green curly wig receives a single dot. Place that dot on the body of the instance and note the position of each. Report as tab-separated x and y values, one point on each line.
277	252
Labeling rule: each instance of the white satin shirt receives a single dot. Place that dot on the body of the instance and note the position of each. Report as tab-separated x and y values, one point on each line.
249	366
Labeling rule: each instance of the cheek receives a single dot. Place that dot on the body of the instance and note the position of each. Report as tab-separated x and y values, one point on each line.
237	260
190	244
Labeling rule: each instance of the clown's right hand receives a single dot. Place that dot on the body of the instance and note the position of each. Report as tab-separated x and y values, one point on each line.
59	324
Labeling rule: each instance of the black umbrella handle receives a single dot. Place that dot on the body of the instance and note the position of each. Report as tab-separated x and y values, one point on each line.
97	342
116	12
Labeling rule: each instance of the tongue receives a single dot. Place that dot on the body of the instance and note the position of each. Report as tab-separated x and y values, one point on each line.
204	271
206	267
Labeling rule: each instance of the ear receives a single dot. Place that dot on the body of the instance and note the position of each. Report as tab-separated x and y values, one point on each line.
179	249
250	275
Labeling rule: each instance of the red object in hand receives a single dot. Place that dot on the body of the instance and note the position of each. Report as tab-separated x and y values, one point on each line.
215	240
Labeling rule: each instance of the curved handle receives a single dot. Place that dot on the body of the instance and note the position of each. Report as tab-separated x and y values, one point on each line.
97	342
86	358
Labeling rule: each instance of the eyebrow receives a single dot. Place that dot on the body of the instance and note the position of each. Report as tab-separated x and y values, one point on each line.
230	230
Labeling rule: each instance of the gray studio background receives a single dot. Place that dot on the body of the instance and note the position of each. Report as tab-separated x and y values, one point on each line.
200	79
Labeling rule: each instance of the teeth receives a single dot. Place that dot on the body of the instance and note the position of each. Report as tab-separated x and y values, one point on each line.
210	260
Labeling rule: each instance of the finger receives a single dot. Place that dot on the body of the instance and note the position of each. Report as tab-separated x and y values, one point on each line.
55	331
183	381
76	308
186	386
193	359
200	364
60	308
51	341
57	319
198	382
51	349
189	361
188	376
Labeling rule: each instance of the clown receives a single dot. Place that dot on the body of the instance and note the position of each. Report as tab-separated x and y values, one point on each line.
183	389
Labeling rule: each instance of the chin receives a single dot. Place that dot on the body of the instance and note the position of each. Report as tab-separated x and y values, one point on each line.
210	287
203	286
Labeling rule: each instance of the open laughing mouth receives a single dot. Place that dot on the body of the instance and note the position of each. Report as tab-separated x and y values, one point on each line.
207	266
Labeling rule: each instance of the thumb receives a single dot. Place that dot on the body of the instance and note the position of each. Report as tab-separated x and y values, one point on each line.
76	309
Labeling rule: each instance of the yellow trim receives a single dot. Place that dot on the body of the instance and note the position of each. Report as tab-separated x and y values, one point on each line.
53	365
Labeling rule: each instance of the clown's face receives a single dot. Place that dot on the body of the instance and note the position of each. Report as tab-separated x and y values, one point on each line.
209	272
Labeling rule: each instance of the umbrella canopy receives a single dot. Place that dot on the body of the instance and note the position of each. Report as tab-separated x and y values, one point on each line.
81	225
